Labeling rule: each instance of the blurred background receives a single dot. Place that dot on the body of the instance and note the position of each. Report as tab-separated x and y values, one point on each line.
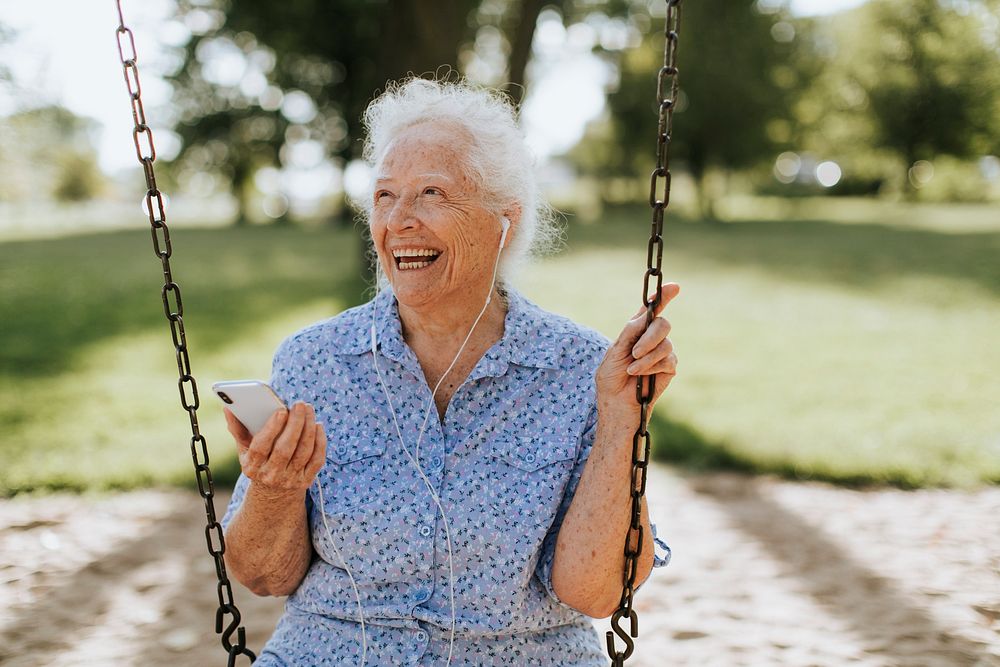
835	219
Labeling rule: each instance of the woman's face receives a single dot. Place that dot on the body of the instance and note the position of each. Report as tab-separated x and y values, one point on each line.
436	242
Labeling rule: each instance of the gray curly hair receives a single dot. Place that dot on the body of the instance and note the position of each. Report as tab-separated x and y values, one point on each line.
499	161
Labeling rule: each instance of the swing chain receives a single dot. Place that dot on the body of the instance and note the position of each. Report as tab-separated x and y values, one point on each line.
173	308
652	282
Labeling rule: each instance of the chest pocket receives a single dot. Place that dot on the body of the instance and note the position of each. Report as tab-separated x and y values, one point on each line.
355	462
527	474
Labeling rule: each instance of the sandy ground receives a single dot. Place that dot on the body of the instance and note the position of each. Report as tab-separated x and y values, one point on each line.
765	572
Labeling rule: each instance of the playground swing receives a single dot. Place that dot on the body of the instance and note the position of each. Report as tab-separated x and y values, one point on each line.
173	309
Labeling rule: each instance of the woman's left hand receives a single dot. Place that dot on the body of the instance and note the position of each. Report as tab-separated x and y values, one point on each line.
637	353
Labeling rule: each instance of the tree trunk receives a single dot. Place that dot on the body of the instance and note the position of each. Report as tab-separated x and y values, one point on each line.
432	30
909	188
706	202
520	48
241	183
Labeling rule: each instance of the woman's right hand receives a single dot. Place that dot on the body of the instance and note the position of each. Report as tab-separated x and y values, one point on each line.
285	456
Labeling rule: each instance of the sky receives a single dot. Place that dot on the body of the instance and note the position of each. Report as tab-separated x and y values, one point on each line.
65	53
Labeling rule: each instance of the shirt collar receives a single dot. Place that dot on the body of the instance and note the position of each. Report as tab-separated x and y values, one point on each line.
528	338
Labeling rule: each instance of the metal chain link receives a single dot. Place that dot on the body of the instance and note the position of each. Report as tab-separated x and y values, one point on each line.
645	388
173	308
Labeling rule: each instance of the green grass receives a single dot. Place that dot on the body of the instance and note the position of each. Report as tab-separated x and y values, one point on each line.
88	377
852	353
849	352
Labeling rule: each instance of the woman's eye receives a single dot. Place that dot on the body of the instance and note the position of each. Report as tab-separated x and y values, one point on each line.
381	194
431	191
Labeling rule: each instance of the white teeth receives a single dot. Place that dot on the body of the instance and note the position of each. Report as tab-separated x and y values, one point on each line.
404	257
414	252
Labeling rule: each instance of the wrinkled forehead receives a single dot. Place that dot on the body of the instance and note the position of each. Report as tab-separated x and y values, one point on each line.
429	147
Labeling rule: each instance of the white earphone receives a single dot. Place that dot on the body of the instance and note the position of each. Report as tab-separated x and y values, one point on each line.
505	225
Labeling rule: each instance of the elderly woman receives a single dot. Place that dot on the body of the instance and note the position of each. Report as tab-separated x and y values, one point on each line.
451	480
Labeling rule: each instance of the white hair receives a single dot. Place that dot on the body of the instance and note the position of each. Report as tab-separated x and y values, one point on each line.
499	161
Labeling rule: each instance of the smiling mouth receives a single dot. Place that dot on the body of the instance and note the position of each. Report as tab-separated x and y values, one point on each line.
409	259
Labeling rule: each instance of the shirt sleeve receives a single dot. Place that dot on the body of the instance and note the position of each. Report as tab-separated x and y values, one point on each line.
543	569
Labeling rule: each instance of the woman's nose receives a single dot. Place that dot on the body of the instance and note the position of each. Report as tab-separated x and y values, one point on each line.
402	216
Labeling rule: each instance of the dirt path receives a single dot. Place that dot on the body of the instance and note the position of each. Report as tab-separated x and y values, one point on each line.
765	572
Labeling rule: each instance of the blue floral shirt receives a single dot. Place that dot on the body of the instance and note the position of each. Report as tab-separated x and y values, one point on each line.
505	463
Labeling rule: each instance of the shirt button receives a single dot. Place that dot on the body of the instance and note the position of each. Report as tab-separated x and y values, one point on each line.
426	530
529	457
421	595
341	449
436	462
421	636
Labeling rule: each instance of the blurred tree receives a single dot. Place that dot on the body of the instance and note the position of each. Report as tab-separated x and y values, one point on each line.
261	80
830	118
930	72
737	80
6	36
78	178
48	152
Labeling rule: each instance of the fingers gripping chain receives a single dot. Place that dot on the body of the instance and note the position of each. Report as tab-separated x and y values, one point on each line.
652	283
173	308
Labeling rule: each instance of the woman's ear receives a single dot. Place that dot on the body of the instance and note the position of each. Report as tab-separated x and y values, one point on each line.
512	214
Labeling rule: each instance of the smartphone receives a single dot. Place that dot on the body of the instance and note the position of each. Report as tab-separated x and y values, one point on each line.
252	401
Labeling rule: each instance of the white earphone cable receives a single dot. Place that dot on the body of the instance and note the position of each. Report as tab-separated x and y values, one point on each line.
354	585
489	298
505	223
434	496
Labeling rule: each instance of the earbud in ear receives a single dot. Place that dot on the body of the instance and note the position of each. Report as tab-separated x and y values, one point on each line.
505	225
